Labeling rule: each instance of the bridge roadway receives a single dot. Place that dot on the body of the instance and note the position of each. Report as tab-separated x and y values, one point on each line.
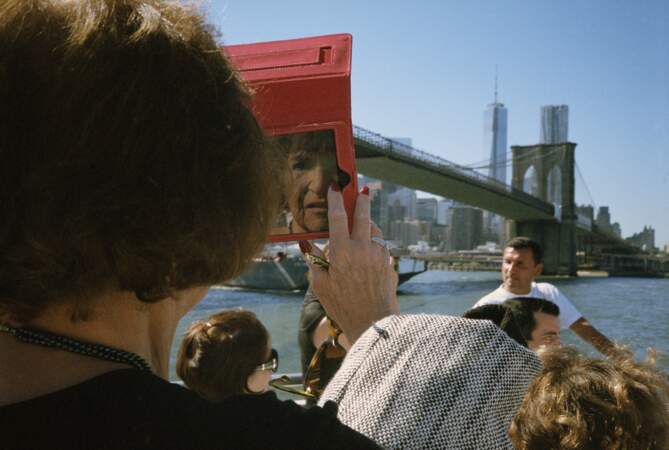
385	159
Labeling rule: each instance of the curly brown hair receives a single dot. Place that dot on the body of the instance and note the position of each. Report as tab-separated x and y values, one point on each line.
578	402
217	355
130	160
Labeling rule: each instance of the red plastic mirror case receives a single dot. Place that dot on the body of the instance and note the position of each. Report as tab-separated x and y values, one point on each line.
302	87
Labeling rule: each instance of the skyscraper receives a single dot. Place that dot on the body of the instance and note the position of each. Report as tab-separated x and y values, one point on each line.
402	203
554	124
603	217
443	207
465	231
426	209
495	138
495	143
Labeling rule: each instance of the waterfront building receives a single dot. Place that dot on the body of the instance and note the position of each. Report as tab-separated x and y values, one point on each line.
587	211
424	231
443	207
554	124
402	203
394	209
465	231
603	218
645	239
389	203
494	226
426	209
603	221
404	232
439	235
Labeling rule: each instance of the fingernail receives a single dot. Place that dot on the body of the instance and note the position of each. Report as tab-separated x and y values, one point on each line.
334	186
365	190
305	247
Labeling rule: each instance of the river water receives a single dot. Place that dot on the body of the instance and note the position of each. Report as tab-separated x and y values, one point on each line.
632	311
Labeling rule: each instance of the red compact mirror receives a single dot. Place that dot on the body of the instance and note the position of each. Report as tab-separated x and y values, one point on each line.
302	99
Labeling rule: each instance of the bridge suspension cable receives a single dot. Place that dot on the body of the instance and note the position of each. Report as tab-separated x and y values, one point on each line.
483	161
509	162
581	178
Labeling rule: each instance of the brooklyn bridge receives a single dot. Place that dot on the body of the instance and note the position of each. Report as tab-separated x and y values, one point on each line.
548	215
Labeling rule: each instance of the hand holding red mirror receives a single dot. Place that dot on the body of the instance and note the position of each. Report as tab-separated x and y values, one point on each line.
360	285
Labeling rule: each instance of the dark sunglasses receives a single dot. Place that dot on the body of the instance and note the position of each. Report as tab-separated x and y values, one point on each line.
312	387
272	363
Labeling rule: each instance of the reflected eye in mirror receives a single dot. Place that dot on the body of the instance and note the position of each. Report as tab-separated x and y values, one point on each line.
310	168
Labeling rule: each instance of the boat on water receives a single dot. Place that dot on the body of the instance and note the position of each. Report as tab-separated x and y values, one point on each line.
281	267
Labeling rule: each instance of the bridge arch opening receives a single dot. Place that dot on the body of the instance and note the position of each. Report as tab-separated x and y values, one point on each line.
531	181
554	188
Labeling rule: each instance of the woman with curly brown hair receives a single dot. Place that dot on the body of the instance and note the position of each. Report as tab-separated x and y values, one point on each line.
583	403
229	353
133	177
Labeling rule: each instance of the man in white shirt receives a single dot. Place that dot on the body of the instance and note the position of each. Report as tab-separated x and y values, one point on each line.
521	264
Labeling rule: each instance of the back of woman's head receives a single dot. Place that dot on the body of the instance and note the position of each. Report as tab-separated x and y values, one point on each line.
129	158
218	355
579	402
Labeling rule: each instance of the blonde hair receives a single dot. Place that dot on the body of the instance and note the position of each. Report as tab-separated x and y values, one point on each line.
578	402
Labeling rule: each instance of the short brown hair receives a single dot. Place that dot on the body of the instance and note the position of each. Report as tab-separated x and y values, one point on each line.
521	242
130	160
218	355
523	309
578	402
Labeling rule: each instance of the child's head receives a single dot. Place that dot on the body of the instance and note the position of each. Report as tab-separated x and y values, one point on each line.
229	353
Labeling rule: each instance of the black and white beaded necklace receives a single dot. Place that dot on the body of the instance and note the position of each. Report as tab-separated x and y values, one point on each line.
46	339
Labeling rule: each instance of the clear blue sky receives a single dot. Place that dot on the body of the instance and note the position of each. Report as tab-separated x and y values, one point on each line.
425	70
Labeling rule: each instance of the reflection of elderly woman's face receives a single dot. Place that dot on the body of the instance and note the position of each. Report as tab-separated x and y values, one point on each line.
312	168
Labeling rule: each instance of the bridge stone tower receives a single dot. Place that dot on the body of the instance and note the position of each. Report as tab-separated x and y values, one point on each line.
547	172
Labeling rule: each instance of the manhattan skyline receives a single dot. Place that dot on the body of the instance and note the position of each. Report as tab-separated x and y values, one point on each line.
427	72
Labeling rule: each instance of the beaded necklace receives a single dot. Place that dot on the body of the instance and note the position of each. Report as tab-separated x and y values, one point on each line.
46	339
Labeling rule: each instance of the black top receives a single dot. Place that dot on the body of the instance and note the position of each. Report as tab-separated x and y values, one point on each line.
311	314
129	409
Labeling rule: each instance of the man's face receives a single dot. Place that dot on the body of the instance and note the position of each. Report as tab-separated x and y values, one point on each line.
519	270
310	175
546	333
